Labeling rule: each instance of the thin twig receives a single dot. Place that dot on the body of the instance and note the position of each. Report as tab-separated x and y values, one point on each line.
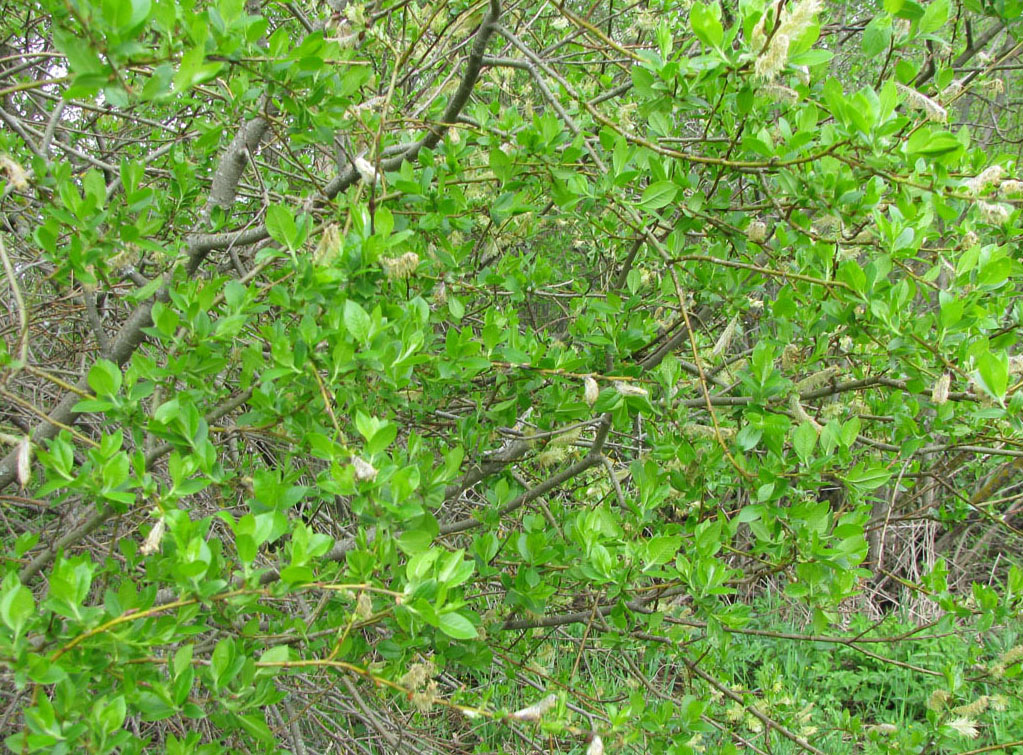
12	278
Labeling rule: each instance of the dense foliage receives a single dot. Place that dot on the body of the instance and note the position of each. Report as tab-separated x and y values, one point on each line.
475	377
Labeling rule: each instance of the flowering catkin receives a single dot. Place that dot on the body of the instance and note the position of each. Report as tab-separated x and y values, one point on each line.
774	58
779	93
965	727
17	175
995	87
695	431
939	394
995	214
329	246
757	231
154	538
790	356
953	90
793	22
417	675
400	268
551	455
990	176
363	470
725	339
366	170
627	389
363	606
1011	188
917	101
796	407
975	708
535	711
818	379
24	461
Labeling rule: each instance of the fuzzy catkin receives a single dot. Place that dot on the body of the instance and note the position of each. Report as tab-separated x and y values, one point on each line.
366	171
535	712
995	214
917	101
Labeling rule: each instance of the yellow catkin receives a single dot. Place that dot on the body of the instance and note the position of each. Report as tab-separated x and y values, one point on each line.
818	379
400	268
757	231
329	245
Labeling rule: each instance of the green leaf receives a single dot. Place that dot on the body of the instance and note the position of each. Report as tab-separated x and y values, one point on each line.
419	564
662	549
105	378
412	542
81	58
453	570
456	308
804	438
357	321
276	654
866	478
280	224
182	659
934	17
908	9
706	23
853	276
992	373
811	58
17	605
455	625
876	36
112	713
140	10
659	195
255	725
194	70
928	142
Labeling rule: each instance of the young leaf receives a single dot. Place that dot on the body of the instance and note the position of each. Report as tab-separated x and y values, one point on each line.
455	625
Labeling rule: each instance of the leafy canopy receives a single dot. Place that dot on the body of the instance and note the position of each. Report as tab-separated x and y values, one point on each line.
459	375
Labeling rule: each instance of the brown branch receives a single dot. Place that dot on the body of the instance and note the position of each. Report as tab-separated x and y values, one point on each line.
434	132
